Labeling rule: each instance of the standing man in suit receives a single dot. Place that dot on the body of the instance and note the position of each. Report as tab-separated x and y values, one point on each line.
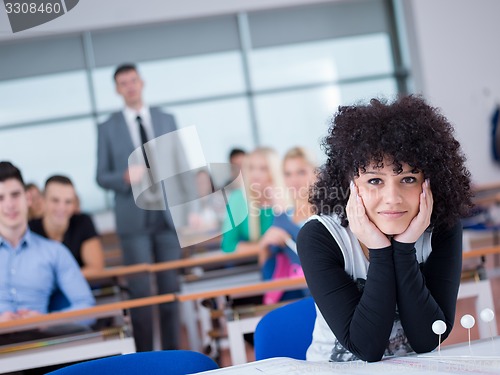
146	235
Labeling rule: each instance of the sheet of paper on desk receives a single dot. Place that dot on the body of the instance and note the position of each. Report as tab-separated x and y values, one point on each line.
289	366
398	365
484	348
272	366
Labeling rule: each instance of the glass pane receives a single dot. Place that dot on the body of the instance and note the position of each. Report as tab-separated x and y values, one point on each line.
64	148
323	61
364	91
104	88
177	79
221	125
306	114
39	98
296	118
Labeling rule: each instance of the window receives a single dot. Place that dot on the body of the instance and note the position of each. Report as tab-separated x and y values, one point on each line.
272	77
44	97
67	148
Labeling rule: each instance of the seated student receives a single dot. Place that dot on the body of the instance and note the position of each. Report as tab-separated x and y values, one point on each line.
263	179
261	196
383	257
75	230
35	210
237	157
32	268
299	168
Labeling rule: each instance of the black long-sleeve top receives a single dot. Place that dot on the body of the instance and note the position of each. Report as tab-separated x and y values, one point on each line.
362	320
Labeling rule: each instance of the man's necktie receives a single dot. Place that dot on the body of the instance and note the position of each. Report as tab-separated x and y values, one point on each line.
144	138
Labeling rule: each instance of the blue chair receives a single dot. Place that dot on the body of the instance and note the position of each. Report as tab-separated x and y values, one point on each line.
167	362
58	301
286	331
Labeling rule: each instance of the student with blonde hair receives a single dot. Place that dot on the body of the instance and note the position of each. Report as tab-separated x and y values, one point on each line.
262	196
299	169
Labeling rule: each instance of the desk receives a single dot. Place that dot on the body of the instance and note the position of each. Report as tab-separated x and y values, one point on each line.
486	194
94	347
480	290
118	271
193	311
99	311
479	270
477	253
245	290
199	284
85	346
214	257
225	277
487	199
204	260
454	359
218	257
488	187
236	328
192	304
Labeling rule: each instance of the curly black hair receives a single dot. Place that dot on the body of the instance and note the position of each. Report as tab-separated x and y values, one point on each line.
407	130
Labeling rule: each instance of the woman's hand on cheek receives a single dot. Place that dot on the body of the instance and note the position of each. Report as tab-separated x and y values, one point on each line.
423	219
359	223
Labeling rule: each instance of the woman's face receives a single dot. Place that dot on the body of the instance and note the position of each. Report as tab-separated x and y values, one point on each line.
258	172
36	200
391	200
299	176
60	203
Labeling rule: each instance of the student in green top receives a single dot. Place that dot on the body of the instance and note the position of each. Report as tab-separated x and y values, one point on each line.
266	196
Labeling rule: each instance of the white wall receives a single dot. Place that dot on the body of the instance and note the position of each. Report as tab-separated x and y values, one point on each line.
455	53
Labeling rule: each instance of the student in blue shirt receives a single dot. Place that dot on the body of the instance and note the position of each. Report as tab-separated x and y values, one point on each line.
32	268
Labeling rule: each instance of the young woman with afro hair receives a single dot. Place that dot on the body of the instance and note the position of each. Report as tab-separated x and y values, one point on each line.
382	256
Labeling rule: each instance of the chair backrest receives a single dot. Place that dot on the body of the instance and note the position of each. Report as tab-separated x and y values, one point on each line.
286	331
58	301
167	362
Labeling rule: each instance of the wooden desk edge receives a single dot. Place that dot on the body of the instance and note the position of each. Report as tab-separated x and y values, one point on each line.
244	289
486	200
118	271
486	187
101	310
219	257
474	253
90	312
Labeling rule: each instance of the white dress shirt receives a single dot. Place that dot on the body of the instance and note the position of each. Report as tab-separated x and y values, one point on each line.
133	126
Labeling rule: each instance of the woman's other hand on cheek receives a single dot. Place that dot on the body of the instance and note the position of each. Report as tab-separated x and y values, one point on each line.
359	223
423	219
